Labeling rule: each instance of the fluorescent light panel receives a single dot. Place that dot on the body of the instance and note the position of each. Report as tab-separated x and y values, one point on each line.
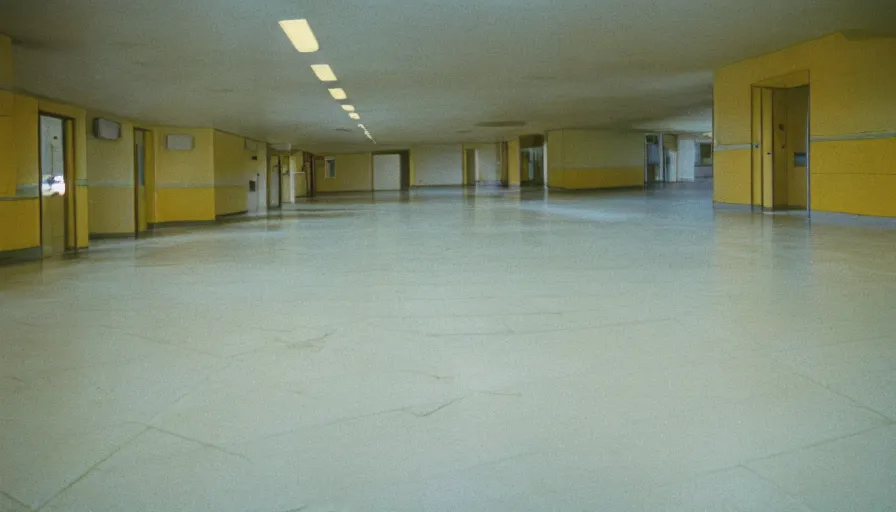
354	115
338	94
324	72
300	34
348	108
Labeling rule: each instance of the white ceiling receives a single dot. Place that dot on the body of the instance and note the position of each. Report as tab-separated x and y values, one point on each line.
419	71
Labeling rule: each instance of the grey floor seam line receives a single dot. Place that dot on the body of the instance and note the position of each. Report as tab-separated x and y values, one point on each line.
776	486
817	444
199	442
14	499
90	469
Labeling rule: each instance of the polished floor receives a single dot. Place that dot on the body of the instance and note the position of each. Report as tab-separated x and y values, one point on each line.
449	351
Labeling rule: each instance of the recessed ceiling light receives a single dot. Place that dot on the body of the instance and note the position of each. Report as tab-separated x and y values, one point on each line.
354	115
299	32
338	94
324	72
348	108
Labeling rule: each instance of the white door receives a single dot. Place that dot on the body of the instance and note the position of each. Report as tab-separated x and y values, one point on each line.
386	172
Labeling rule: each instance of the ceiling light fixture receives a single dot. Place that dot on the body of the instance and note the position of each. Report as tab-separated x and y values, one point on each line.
300	34
324	72
354	115
348	108
338	94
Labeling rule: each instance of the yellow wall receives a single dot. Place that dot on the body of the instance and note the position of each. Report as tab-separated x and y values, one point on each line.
353	173
111	163
513	162
585	159
234	168
184	180
851	96
6	70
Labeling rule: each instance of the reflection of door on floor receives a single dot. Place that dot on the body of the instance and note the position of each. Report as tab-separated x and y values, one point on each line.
387	172
470	167
780	147
56	186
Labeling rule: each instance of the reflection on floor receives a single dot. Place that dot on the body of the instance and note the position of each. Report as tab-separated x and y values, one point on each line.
452	351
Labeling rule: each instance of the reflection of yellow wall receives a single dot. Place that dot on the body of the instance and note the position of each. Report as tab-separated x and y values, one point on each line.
184	180
851	93
353	173
111	204
584	159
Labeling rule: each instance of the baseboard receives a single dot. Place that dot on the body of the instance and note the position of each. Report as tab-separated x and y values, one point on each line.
20	255
234	214
182	223
110	236
627	188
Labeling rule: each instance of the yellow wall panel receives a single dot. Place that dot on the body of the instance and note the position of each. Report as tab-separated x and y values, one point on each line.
603	178
513	162
7	100
185	204
353	173
111	210
20	225
873	156
861	194
233	168
230	199
26	135
731	176
850	92
8	160
6	68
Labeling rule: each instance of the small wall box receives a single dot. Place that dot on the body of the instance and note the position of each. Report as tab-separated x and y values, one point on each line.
106	130
179	142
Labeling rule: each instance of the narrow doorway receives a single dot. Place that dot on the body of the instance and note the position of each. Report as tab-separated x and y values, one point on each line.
141	139
57	204
780	154
653	159
472	173
274	181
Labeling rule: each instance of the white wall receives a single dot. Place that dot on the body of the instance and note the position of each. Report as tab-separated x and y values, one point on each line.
386	172
437	165
687	157
486	161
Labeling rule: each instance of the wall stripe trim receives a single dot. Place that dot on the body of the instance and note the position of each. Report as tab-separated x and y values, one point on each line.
185	185
112	184
855	136
732	147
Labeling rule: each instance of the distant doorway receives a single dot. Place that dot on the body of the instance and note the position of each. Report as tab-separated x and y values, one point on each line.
57	186
386	172
470	168
142	141
274	181
780	148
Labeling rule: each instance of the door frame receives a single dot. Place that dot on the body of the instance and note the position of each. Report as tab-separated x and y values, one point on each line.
70	200
765	96
137	203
